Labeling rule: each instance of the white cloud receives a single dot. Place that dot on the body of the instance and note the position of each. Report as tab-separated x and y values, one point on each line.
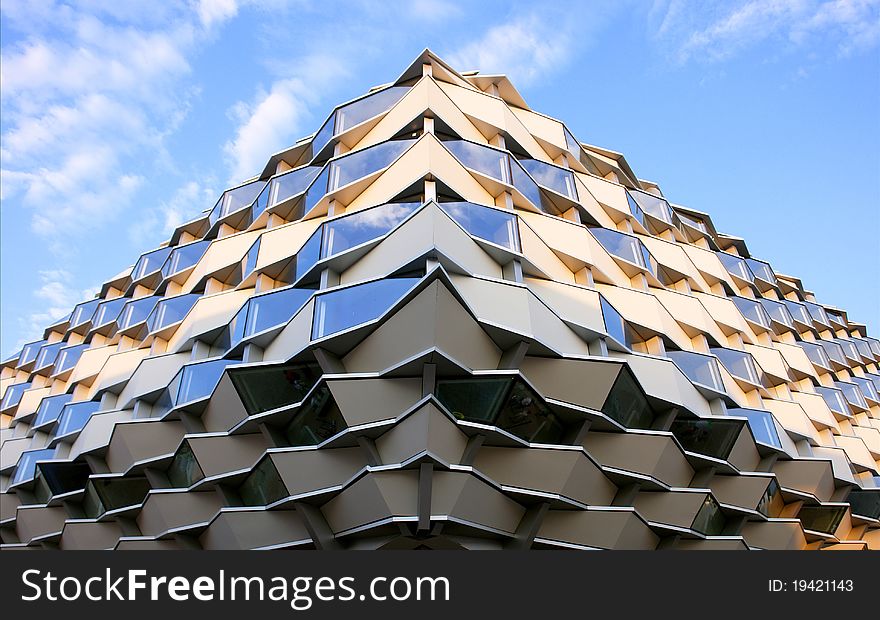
433	10
216	11
185	204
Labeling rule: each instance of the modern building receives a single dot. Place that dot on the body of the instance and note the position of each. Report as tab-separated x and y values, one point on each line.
444	322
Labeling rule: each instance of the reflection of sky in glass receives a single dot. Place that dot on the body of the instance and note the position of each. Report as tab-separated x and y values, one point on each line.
736	266
761	423
108	311
363	226
287	185
50	408
834	399
557	179
488	161
361	163
183	257
654	205
150	262
621	245
345	308
739	364
698	368
12	395
48	354
83	312
74	417
368	107
27	464
485	222
68	357
172	310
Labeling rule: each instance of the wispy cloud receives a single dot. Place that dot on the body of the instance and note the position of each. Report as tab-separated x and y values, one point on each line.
713	32
56	297
161	221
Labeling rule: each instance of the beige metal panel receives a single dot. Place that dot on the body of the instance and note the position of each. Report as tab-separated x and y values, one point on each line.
707	262
581	382
163	511
662	379
793	419
117	369
254	529
724	312
465	497
30	401
568	238
153	373
282	242
812	476
559	472
816	409
841	464
599	212
657	456
305	471
871	437
744	454
677	508
362	401
603	529
540	255
373	497
689	313
640	308
90	363
857	452
775	535
295	336
137	441
89	535
572	303
97	431
33	523
549	330
606	192
12	449
795	357
546	128
9	503
770	360
477	105
425	431
225	409
221	253
208	313
673	256
742	491
497	303
221	454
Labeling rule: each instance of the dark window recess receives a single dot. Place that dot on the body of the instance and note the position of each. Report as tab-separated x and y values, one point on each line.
104	494
317	420
263	485
766	505
865	503
184	470
60	478
714	438
821	518
626	404
710	520
269	387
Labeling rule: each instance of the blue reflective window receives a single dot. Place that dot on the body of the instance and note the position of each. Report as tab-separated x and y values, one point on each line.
692	221
849	349
852	393
234	199
553	177
108	311
267	311
778	312
83	312
309	254
287	185
344	308
834	351
762	425
615	326
761	270
361	163
363	109
485	222
50	409
12	395
149	263
74	417
137	311
68	357
818	313
701	369
48	353
324	135
834	399
736	266
626	247
184	257
352	230
752	310
199	380
572	144
29	352
485	160
249	263
635	209
868	388
653	205
816	354
170	311
798	312
26	468
738	363
317	190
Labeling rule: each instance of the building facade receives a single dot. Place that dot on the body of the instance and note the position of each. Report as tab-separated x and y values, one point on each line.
443	322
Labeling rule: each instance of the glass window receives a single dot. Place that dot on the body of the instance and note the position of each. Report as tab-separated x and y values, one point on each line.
105	494
27	464
701	369
738	363
864	348
234	199
527	417
615	326
29	352
149	263
317	420
316	191
626	403
12	395
264	388
352	230
474	400
309	254
74	417
736	266
287	185
852	393
553	177
344	308
635	209
487	223
485	160
184	470
267	311
68	357
83	312
834	399
765	505
108	311
61	478
865	503
868	388
199	380
653	205
526	185
359	164
171	310
778	312
762	425
713	437
817	354
710	520
824	519
834	351
626	247
692	221
818	313
137	311
263	486
849	349
762	270
836	317
574	147
183	257
249	262
798	312
368	107
50	409
48	353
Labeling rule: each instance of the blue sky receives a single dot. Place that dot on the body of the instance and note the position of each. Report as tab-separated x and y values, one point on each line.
121	120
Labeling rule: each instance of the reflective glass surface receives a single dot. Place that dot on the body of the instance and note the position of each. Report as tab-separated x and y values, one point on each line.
761	270
485	160
184	470
710	520
27	464
778	312
352	230
287	185
234	199
264	388
816	353
361	163
702	369
738	363
368	107
526	185
184	257
149	263
624	246
865	503
12	395
615	326
834	399
68	357
821	518
799	312
50	409
47	355
60	478
263	486
849	349
736	266
266	311
171	310
475	400
761	423
852	393
347	307
198	381
108	311
105	494
83	312
692	221
834	351
137	311
818	313
317	420
868	388
249	263
626	403
493	225
74	417
653	205
553	177
713	437
635	209
29	352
